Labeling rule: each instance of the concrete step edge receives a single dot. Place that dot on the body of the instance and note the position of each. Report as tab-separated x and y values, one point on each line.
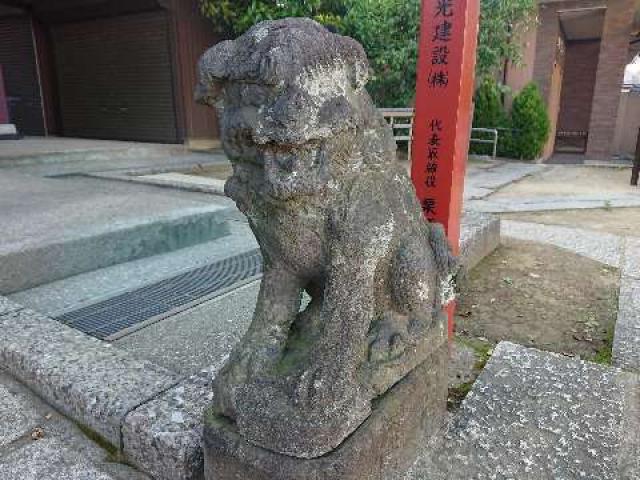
23	268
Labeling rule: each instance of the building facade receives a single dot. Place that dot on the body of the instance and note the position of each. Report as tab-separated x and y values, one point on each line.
106	69
577	55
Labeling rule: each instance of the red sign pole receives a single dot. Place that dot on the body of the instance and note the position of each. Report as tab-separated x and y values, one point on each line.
442	124
4	109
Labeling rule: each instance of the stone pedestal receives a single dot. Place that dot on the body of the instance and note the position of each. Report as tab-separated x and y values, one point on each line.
384	446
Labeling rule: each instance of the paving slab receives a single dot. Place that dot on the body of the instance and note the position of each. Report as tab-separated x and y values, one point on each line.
55	228
75	292
89	380
550	202
60	451
501	174
17	417
602	247
50	459
538	415
201	337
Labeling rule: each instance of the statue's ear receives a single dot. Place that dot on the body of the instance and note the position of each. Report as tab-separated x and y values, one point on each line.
216	62
357	61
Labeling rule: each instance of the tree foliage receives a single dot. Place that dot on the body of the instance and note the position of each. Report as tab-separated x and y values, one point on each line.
501	21
234	17
388	30
489	112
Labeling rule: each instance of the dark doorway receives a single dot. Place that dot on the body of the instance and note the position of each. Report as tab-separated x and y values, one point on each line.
580	68
17	57
115	78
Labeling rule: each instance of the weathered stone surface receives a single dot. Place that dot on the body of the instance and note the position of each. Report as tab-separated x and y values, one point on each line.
631	264
336	217
87	379
479	236
49	459
537	415
164	436
17	418
7	306
381	448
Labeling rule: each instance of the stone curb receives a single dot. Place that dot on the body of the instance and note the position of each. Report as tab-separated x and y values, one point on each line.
88	380
164	436
534	204
626	343
215	189
479	236
602	247
92	154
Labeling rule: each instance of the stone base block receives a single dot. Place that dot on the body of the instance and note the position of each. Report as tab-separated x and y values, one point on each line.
385	445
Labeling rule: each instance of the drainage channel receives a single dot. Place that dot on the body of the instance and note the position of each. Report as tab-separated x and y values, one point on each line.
109	319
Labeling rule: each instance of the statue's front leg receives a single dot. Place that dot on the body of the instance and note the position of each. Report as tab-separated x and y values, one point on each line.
347	312
263	343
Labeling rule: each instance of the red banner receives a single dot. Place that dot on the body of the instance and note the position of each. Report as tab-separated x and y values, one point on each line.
442	124
443	115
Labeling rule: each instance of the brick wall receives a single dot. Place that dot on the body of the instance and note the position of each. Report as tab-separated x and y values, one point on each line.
580	67
613	58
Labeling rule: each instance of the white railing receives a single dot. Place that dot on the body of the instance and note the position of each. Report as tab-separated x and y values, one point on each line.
401	122
493	141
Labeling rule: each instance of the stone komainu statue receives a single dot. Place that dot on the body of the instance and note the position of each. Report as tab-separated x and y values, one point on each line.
336	217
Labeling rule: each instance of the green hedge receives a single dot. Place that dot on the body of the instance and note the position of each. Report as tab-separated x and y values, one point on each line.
530	123
523	132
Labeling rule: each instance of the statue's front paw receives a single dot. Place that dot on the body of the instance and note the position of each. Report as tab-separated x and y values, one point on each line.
387	346
236	372
317	386
391	339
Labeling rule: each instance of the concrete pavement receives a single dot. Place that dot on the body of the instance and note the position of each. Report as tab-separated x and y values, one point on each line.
37	443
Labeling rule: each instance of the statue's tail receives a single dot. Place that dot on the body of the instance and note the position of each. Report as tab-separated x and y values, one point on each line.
447	264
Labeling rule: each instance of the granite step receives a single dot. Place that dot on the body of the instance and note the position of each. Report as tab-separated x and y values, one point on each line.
57	228
539	415
73	293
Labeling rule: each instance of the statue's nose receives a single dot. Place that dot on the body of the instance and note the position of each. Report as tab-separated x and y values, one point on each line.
206	94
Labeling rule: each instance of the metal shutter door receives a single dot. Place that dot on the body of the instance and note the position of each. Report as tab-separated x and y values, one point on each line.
17	58
115	78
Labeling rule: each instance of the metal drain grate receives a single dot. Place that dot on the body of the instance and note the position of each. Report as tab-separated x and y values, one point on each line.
107	318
